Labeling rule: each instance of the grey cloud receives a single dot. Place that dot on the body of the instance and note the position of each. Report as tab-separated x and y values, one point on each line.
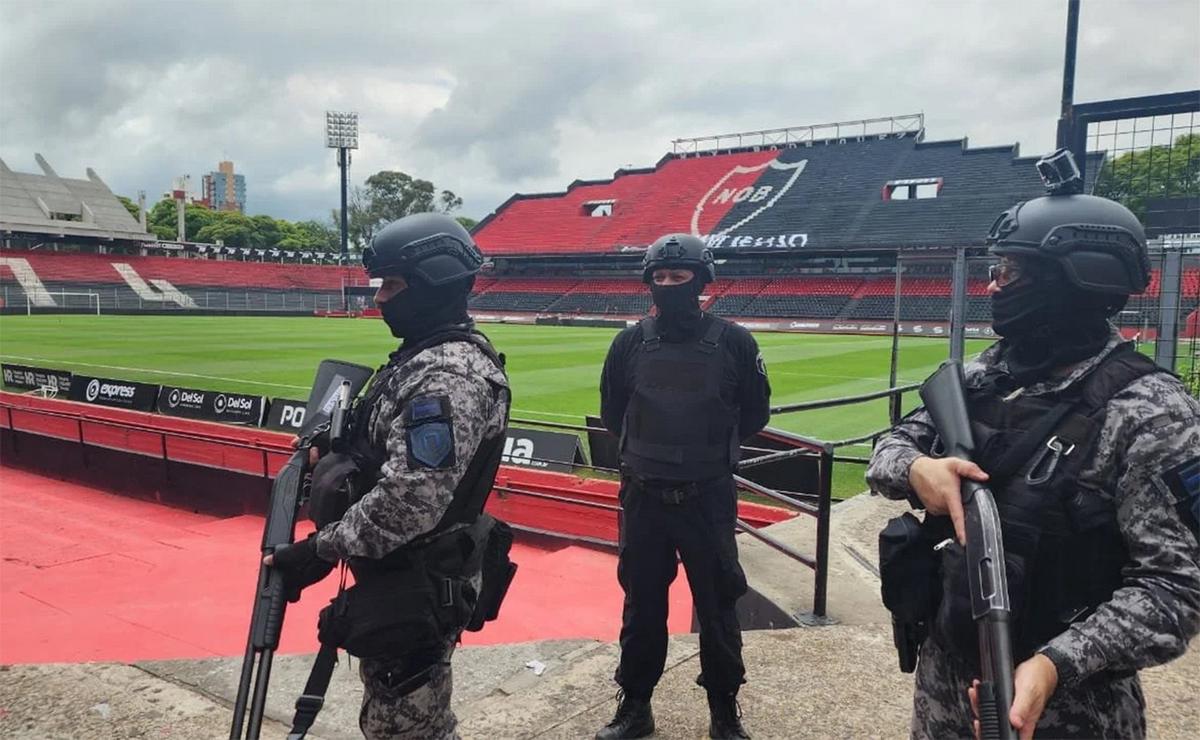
488	99
508	104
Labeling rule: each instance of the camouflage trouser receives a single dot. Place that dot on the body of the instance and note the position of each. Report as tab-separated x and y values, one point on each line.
423	713
1101	707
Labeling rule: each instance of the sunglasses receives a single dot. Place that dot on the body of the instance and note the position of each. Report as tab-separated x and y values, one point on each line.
1004	272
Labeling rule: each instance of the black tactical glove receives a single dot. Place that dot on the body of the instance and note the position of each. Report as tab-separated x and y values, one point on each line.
299	565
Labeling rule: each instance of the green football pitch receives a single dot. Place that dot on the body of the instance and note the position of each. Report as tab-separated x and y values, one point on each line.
554	370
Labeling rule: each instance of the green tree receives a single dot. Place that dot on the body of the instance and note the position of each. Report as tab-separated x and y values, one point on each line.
467	222
129	206
309	235
1164	171
231	228
195	217
161	219
267	231
323	236
389	195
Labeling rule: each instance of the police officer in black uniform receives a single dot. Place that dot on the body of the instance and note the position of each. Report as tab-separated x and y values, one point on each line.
681	390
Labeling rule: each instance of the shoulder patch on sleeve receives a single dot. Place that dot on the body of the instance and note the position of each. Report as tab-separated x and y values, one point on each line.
431	445
429	434
1183	481
425	408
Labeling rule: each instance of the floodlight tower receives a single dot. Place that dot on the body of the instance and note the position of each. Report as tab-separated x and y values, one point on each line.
341	133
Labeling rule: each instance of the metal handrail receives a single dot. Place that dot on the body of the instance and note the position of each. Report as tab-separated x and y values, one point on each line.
761	536
844	400
771	493
552	497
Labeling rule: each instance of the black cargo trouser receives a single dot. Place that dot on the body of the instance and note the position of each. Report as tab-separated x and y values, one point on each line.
698	522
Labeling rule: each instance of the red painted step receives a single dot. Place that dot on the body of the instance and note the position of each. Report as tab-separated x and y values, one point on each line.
92	576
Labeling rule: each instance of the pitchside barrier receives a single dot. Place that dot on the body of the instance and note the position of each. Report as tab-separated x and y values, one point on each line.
535	449
789	469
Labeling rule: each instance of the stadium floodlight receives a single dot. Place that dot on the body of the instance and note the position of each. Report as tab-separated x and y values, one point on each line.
341	130
341	133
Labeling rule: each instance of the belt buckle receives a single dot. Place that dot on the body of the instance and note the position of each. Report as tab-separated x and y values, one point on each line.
673	496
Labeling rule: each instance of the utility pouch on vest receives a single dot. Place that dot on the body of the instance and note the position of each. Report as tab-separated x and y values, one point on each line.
333	488
497	573
388	614
911	590
411	601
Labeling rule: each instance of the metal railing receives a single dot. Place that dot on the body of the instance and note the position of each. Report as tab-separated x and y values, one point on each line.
912	124
263	449
817	504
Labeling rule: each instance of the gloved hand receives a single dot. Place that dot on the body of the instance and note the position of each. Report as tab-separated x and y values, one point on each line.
299	565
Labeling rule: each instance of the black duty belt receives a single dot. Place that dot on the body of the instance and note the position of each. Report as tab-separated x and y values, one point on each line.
669	492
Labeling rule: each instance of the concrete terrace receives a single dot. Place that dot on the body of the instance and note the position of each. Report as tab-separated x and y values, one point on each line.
837	681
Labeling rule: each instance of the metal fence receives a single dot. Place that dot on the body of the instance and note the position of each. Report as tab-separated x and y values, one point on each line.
1150	162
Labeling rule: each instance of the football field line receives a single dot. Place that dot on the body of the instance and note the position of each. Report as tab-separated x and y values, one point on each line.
223	379
155	372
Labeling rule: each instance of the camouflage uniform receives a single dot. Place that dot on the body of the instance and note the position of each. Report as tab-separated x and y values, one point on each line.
1151	427
408	501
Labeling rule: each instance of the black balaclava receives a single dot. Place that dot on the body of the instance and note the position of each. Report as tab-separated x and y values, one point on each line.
678	308
421	309
1047	323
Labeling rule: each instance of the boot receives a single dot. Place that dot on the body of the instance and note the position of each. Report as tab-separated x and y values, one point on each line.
633	719
726	716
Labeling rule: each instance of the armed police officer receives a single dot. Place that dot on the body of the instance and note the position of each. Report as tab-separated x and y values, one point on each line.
426	443
1093	454
681	390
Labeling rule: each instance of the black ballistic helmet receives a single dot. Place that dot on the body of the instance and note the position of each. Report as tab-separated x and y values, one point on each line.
1099	244
681	251
432	247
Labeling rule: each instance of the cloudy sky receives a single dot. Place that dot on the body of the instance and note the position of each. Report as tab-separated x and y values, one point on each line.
492	98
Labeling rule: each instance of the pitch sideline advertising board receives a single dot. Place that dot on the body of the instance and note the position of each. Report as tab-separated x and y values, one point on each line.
285	415
227	408
33	378
542	450
123	394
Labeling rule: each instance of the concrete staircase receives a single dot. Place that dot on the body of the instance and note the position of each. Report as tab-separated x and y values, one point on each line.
165	293
35	291
836	681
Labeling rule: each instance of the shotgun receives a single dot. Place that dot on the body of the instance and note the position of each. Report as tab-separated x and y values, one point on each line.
335	385
945	400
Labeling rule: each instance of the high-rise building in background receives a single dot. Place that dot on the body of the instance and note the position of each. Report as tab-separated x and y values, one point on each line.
225	191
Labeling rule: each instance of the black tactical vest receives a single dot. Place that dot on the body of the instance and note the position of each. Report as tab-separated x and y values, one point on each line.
1063	548
677	426
476	484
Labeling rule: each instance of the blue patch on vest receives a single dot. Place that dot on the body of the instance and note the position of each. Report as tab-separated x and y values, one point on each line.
431	445
425	407
1184	482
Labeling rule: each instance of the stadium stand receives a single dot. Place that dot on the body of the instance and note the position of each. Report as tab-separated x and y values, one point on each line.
806	229
56	206
822	195
131	282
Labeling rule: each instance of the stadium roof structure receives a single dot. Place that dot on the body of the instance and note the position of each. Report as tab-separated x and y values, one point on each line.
876	192
61	207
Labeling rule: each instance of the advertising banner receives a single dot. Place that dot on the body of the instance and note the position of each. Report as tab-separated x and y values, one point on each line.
124	394
542	450
227	408
33	378
285	415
